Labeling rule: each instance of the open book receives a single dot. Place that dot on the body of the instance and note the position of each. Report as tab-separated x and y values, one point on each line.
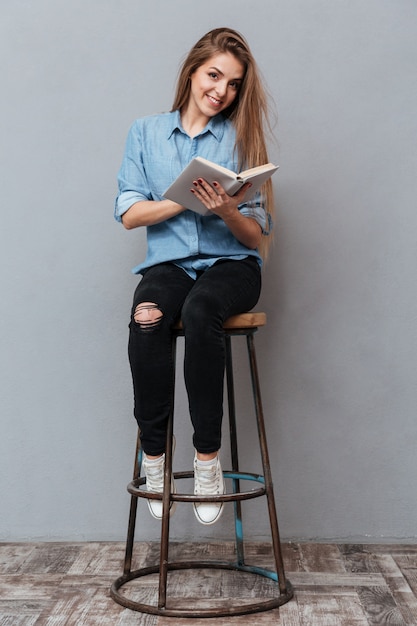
231	182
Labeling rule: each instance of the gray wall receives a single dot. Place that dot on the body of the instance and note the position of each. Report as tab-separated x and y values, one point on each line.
338	358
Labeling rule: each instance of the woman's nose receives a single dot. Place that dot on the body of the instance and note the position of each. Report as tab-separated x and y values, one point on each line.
221	88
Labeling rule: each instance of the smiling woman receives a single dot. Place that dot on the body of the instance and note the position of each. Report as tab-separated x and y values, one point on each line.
202	269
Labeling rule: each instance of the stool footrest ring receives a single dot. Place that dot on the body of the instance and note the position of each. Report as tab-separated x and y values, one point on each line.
134	488
241	608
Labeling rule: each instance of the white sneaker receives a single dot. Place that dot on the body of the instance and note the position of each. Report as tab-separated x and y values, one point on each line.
154	472
208	480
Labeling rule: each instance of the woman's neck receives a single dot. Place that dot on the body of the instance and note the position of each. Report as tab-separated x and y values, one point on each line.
193	122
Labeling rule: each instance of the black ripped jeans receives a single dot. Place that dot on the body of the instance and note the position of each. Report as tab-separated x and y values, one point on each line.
227	288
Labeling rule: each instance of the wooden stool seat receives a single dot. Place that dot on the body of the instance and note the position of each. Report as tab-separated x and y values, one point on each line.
241	321
245	324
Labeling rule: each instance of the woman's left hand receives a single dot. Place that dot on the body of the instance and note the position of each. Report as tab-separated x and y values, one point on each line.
215	198
245	229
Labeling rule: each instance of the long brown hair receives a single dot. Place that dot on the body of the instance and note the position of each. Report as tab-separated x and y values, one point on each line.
249	110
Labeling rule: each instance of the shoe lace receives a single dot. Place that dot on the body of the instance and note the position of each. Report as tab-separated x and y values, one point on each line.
207	480
155	477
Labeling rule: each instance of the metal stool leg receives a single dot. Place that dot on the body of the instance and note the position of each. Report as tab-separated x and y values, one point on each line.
166	500
127	567
266	465
166	503
234	451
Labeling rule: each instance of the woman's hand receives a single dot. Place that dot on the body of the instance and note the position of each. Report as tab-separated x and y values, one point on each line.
215	199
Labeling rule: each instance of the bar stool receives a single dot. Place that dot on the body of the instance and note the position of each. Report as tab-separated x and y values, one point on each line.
244	324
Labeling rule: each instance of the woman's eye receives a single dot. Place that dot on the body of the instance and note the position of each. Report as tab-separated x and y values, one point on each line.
213	75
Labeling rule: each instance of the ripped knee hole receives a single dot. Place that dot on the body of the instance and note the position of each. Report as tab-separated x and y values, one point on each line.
147	315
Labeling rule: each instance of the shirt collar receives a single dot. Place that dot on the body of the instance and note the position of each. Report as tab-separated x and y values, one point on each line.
215	126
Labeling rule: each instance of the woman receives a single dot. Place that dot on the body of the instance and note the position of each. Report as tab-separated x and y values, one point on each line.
202	269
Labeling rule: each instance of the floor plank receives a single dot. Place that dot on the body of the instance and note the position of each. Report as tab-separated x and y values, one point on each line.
67	584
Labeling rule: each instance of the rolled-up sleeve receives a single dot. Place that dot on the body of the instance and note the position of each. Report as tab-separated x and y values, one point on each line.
132	182
256	210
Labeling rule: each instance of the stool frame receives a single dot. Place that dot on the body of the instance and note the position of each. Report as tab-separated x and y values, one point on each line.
245	324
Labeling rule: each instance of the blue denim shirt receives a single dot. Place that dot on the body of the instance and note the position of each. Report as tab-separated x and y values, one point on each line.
157	150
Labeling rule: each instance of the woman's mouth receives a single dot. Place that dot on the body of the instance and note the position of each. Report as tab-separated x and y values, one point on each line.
214	101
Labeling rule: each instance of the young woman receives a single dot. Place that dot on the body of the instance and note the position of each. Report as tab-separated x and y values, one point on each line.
202	269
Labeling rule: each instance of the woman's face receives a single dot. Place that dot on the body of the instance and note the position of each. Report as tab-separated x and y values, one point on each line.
215	85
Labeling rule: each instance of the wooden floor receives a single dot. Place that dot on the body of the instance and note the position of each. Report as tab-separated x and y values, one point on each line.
63	584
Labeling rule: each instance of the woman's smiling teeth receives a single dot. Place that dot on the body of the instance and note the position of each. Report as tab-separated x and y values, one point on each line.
214	100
